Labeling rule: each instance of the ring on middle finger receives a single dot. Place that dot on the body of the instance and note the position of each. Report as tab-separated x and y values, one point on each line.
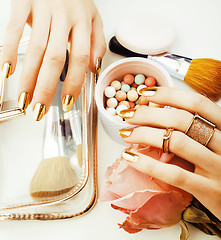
166	140
200	129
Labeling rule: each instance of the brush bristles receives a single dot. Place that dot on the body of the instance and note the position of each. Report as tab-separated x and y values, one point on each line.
53	177
204	75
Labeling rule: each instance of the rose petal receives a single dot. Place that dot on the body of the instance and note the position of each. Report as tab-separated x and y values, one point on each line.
134	200
161	210
129	180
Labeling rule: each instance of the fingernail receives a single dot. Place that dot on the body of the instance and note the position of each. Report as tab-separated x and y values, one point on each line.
148	91
98	68
24	100
125	132
67	103
6	70
39	111
129	156
127	113
98	65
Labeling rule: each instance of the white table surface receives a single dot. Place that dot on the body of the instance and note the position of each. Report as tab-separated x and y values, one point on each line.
198	34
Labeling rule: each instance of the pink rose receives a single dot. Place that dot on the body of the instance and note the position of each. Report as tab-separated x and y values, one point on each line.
149	203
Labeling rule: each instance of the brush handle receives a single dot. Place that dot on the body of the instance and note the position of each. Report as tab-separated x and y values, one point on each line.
176	65
76	126
53	145
75	122
117	48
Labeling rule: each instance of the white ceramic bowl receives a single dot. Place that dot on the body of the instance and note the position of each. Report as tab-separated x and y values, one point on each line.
116	71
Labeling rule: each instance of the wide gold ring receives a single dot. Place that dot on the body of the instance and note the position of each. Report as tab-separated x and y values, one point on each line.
166	140
200	129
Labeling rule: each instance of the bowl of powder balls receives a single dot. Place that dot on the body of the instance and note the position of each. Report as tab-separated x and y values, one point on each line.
119	86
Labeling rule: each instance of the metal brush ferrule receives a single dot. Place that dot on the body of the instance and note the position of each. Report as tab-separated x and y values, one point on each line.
53	145
176	65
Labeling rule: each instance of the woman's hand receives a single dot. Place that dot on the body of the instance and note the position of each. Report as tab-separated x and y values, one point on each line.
205	182
54	23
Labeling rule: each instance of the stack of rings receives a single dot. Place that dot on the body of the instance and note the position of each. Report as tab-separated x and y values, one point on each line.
200	130
166	139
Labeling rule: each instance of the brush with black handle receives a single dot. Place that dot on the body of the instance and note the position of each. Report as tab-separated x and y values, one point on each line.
202	74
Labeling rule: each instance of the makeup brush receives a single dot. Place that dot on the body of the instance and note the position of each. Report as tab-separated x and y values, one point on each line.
203	74
74	120
54	175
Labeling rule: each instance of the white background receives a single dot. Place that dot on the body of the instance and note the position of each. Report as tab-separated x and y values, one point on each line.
198	34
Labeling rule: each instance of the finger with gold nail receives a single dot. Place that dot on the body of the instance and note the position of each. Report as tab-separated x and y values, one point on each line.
191	129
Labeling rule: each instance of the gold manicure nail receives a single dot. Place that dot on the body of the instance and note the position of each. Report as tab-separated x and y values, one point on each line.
129	156
125	132
148	91
39	111
24	100
67	103
98	68
98	65
127	113
6	70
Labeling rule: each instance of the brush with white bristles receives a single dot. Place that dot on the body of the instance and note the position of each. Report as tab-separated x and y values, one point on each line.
54	175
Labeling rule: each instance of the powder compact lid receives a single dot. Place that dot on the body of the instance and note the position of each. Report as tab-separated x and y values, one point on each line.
144	34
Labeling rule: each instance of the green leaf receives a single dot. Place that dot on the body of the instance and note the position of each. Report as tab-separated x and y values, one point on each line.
214	229
202	228
194	215
201	218
184	231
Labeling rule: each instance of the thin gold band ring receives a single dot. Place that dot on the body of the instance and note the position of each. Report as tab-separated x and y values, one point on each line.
166	140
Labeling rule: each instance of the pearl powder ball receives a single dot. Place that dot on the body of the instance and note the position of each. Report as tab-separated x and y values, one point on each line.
150	81
112	102
109	92
128	79
139	79
120	95
132	95
125	87
111	111
116	85
120	108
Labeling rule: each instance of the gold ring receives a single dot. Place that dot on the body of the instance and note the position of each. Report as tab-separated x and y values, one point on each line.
200	129
166	140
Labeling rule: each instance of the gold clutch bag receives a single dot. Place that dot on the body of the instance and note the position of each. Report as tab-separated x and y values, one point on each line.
48	169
